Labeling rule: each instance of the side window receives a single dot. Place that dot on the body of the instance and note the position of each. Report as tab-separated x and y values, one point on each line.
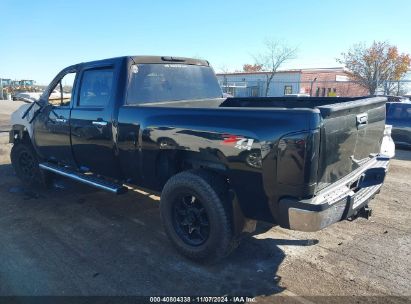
96	87
399	111
405	113
408	113
60	96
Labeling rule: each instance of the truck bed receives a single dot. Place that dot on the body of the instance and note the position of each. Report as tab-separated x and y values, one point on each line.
351	129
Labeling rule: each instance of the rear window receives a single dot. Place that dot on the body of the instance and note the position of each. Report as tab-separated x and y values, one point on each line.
151	83
399	111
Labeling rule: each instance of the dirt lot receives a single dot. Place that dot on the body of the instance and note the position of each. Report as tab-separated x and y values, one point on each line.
75	240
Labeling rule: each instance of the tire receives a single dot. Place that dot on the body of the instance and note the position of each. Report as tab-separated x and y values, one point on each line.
197	216
26	165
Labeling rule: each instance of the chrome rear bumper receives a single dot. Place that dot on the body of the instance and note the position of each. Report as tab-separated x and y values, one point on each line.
339	201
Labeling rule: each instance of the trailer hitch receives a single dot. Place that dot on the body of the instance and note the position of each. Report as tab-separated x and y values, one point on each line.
365	212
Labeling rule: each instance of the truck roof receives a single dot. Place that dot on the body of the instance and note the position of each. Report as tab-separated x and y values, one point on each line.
156	59
163	59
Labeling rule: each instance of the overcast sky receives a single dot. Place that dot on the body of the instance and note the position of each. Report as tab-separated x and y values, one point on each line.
39	38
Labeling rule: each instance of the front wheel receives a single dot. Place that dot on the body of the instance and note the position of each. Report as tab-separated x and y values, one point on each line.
25	163
196	215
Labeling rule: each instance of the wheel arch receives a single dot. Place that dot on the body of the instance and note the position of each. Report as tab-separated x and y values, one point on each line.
19	133
172	161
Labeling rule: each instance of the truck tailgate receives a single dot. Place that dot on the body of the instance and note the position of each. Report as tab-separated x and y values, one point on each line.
350	134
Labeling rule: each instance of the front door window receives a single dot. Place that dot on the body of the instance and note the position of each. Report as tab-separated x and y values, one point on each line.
60	96
96	87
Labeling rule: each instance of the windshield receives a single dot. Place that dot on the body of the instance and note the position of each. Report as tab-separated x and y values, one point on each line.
169	82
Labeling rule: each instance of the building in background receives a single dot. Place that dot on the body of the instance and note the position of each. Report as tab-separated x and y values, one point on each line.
320	82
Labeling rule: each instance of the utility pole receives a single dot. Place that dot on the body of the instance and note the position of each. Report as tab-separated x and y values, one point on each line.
377	80
311	88
1	88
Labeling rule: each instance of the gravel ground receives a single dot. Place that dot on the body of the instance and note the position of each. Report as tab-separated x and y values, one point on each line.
75	240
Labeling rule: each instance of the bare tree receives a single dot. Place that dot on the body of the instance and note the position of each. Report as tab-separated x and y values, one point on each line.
276	54
375	65
397	88
224	70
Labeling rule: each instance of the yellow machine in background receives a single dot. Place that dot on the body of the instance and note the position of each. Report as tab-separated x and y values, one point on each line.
9	88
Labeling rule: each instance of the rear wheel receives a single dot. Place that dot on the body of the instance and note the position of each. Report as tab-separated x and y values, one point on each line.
197	216
26	165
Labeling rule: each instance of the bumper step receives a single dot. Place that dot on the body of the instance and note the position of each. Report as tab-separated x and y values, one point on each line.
90	180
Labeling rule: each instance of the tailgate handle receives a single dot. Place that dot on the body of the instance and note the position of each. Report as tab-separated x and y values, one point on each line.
362	120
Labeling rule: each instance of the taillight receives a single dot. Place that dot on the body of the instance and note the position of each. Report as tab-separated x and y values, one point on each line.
297	158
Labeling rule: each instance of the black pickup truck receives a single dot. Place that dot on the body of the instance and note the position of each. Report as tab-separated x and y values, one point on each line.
220	164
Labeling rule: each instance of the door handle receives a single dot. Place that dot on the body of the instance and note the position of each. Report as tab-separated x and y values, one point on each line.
63	120
100	123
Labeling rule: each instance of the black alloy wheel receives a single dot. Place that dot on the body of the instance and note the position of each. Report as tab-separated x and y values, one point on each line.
190	220
197	216
26	165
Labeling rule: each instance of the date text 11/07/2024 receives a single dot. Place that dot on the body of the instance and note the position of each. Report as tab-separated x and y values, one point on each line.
222	299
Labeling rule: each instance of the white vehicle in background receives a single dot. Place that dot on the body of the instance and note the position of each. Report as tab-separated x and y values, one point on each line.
34	96
388	145
57	95
27	96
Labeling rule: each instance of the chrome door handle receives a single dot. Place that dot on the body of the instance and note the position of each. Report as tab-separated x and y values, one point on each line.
61	120
100	123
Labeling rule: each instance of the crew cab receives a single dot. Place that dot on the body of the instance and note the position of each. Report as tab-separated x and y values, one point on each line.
220	164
